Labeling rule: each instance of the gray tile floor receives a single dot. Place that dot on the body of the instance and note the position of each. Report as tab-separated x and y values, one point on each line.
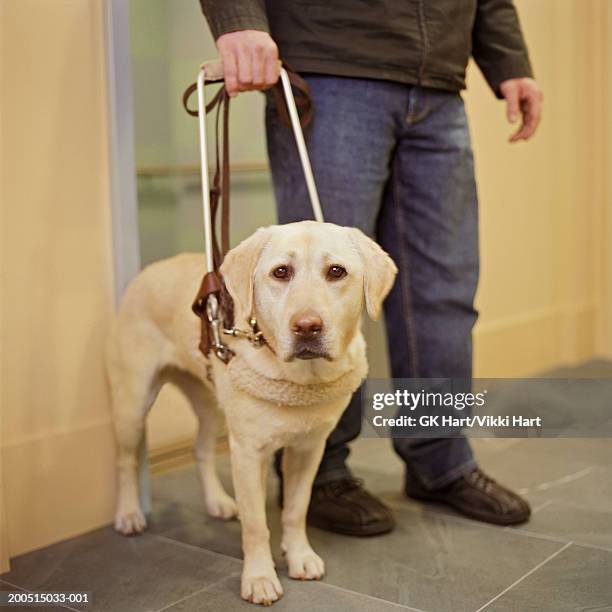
435	560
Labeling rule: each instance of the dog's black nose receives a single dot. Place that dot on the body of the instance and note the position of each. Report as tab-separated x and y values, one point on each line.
306	325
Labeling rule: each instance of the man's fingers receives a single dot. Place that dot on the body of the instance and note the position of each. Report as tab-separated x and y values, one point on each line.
272	69
526	131
246	56
265	68
523	98
531	108
245	71
518	135
523	132
258	67
511	92
512	108
230	73
535	111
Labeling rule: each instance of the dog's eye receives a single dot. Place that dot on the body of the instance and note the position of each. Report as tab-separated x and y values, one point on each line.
282	273
336	273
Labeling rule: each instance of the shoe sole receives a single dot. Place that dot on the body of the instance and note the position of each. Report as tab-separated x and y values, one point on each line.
493	519
365	532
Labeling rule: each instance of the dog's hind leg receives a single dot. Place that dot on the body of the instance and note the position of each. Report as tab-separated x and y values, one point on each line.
204	404
130	406
134	385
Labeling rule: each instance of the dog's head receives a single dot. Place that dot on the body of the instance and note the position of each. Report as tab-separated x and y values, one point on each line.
306	283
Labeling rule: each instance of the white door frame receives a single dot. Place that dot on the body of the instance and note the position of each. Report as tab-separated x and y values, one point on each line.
607	301
122	165
124	203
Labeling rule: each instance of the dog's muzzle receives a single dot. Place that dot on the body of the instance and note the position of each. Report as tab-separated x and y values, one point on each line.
307	329
310	349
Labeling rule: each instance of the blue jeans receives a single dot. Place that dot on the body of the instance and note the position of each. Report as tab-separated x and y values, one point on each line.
395	161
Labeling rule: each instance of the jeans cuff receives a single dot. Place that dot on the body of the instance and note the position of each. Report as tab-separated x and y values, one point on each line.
441	481
332	475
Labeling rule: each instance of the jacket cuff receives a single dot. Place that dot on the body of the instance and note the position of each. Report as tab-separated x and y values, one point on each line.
230	21
515	67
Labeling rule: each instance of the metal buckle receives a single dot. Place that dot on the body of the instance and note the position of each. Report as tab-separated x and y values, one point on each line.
254	336
223	352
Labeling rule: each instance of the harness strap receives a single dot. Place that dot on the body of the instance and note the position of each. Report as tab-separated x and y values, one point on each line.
303	101
212	283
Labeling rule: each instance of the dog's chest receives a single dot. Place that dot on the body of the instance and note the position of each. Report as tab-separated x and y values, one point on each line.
274	426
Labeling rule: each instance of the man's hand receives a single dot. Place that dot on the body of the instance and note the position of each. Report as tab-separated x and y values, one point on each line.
250	60
523	97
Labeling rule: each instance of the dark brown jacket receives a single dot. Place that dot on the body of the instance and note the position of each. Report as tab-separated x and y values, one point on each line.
409	41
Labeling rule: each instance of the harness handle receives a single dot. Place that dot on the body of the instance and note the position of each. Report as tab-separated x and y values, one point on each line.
212	72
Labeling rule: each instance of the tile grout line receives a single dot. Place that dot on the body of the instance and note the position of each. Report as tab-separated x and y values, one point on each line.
321	584
521	531
551	484
480	524
16	586
197	548
324	584
541	506
531	571
571	504
202	590
367	596
558	539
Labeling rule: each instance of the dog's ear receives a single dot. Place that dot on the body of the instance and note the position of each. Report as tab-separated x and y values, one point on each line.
379	272
238	268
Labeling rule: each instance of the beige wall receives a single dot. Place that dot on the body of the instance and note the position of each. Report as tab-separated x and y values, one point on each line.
542	203
4	561
605	326
57	273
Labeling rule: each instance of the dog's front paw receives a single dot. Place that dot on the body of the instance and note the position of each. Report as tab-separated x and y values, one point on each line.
130	522
262	590
305	565
222	507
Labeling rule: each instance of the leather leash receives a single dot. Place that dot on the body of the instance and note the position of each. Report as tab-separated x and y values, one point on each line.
217	316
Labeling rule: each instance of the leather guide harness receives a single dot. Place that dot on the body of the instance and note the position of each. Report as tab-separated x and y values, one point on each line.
213	303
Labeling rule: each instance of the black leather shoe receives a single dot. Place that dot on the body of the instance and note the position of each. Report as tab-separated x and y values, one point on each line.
344	506
476	496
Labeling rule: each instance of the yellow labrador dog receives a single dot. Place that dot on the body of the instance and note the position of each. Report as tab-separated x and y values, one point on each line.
306	283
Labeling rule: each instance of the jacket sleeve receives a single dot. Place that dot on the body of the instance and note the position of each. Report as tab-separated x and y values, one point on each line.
225	16
498	45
